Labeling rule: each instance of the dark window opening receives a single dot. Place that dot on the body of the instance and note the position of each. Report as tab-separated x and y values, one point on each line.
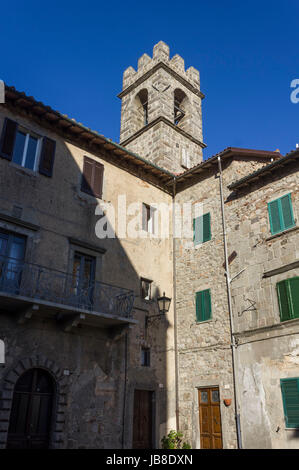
179	106
12	252
142	108
83	279
145	357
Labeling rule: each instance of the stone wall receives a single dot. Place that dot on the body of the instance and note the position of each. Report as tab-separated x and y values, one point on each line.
205	357
268	349
61	211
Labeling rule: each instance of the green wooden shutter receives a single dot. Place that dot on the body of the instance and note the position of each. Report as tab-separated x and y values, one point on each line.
199	309
274	216
294	296
206	222
207	304
287	211
290	398
202	229
283	300
203	305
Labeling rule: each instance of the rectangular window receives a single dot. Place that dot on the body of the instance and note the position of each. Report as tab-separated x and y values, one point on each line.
146	289
83	279
145	357
202	229
203	305
26	149
12	252
281	214
148	218
290	398
92	178
288	298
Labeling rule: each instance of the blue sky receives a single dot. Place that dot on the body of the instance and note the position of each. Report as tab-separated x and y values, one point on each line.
71	55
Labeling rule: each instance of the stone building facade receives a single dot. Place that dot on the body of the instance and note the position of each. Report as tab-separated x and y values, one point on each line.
79	312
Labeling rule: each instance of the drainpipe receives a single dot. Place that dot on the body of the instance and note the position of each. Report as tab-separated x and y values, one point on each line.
228	284
125	389
175	318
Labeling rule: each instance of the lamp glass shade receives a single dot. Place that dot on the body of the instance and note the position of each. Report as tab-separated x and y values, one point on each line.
164	303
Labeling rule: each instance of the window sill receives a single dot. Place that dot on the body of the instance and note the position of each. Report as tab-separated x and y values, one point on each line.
198	245
204	322
23	170
89	197
292	229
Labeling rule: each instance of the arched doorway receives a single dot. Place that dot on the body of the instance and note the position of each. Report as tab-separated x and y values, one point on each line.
32	411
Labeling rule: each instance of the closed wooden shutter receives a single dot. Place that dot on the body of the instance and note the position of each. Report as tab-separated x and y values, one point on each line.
8	138
202	229
86	185
47	157
294	296
290	397
287	211
98	179
206	229
284	307
288	298
203	305
274	217
92	178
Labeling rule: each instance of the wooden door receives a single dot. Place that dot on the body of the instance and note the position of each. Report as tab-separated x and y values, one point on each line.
209	418
31	412
143	420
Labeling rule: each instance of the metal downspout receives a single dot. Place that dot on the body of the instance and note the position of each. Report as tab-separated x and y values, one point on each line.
175	315
228	283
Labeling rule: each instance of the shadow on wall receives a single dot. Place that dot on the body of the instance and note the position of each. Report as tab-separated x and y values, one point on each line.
103	408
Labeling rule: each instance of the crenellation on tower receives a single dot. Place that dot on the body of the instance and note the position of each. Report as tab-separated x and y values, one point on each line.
178	63
143	62
161	110
128	76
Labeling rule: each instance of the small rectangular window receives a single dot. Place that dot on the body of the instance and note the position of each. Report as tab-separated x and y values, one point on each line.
290	398
145	357
202	229
281	215
148	218
288	298
203	305
146	289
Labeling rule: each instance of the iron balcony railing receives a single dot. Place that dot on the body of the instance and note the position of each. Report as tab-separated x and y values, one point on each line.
40	283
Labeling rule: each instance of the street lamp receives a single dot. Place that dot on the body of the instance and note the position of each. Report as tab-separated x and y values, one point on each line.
163	306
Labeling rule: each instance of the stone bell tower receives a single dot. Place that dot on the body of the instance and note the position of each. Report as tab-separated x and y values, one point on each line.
161	116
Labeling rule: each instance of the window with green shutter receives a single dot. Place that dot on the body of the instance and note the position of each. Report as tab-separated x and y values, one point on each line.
202	229
288	298
281	214
290	399
203	305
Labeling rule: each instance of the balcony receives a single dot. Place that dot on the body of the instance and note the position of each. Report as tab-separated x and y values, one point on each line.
29	290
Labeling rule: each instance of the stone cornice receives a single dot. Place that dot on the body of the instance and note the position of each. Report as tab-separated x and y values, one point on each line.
168	123
148	74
